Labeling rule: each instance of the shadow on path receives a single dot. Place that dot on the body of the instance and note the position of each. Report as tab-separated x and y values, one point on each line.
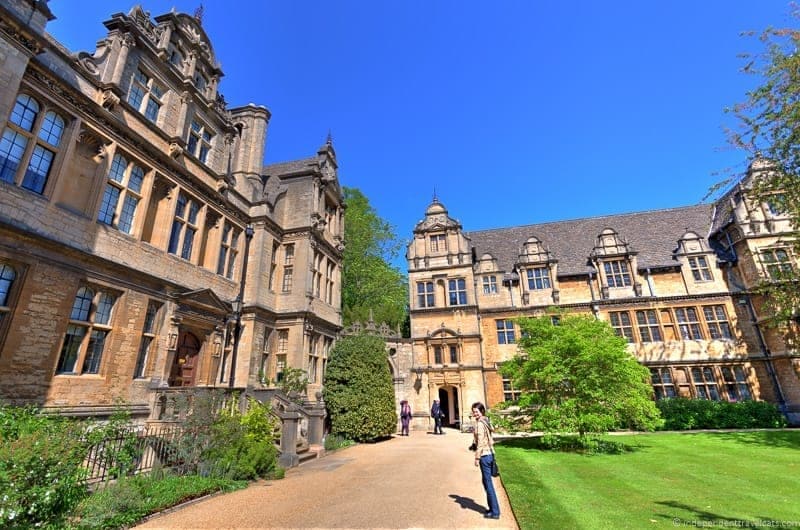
467	503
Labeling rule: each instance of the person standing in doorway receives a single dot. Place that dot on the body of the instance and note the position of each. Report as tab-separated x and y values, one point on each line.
484	456
437	414
405	417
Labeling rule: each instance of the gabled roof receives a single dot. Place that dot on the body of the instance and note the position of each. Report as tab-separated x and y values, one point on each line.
652	235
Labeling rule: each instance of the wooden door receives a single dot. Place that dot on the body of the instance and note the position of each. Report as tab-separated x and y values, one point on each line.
184	369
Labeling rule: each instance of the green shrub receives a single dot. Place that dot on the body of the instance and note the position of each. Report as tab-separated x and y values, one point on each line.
579	444
41	467
241	446
129	500
333	442
685	414
358	389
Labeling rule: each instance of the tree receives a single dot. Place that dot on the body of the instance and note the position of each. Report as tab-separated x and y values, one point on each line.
769	132
358	389
369	282
577	376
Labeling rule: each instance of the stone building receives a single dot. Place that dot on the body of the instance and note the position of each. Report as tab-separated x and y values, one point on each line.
676	283
136	212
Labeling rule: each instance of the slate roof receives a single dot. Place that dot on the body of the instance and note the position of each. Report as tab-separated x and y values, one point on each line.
304	165
653	235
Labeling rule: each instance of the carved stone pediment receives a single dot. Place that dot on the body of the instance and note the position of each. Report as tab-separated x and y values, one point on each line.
205	300
609	243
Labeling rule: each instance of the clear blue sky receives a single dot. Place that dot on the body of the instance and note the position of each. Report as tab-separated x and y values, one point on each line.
516	112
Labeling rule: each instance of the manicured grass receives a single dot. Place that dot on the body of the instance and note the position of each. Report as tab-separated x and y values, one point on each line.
666	478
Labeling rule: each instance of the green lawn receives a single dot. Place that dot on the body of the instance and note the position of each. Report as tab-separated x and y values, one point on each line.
667	480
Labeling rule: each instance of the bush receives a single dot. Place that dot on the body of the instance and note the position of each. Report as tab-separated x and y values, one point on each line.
41	468
233	445
358	389
130	499
684	414
333	442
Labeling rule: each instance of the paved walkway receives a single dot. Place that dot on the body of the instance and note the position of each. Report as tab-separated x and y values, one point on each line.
419	481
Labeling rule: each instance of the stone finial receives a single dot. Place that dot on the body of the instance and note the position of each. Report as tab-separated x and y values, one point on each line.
198	14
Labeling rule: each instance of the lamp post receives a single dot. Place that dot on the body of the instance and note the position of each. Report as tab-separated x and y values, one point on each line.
237	305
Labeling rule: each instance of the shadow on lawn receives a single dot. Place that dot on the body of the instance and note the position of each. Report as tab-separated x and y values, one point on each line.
573	444
695	515
785	439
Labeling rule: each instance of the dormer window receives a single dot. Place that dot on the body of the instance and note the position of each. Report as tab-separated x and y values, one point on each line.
700	270
145	95
538	278
490	284
617	273
199	141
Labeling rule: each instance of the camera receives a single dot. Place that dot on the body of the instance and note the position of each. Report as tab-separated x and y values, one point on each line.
473	447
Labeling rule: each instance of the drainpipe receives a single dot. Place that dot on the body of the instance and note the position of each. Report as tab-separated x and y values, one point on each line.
650	282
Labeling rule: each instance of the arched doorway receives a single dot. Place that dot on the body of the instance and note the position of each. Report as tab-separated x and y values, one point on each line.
448	401
184	369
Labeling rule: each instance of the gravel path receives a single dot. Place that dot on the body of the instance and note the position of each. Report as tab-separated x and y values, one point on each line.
419	481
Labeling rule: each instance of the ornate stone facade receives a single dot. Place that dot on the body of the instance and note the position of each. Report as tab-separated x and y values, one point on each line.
135	208
676	283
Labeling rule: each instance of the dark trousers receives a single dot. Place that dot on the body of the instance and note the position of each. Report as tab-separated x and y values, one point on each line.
404	424
437	425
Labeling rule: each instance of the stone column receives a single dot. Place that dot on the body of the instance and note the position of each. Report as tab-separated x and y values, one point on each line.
316	421
126	41
289	422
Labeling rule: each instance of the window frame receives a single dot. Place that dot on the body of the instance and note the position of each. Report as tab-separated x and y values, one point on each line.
185	221
87	360
539	278
704	387
701	272
148	90
228	250
438	242
648	326
27	174
199	140
141	368
718	325
457	292
9	276
688	329
126	194
735	383
617	273
509	390
774	267
426	294
490	284
662	384
622	328
505	331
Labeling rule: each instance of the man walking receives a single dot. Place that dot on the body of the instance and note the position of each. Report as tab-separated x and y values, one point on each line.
437	415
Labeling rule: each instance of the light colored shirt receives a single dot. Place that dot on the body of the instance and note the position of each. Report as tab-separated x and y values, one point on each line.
483	439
